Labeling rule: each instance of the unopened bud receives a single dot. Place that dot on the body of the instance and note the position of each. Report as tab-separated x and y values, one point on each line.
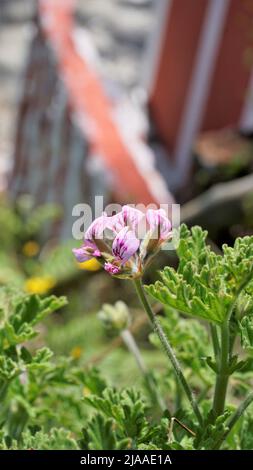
115	318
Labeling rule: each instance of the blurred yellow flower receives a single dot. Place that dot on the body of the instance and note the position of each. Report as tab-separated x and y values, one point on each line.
90	265
86	391
31	248
39	285
76	352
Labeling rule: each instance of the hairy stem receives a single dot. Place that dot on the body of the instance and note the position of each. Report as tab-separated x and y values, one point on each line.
168	349
225	353
223	374
215	340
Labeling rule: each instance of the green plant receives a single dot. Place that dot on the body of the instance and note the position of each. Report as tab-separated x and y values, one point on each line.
200	399
214	288
217	289
25	259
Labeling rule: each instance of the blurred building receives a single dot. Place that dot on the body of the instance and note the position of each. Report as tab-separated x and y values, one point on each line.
199	74
80	135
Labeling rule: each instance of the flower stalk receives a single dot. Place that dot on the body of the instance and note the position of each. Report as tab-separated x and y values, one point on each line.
215	340
167	348
224	355
130	343
223	373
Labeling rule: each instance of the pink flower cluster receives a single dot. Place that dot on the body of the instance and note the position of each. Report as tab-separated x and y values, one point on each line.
115	241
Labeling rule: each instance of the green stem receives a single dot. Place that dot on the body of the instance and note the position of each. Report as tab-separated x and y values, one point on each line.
233	419
225	354
223	374
131	344
178	399
167	347
215	340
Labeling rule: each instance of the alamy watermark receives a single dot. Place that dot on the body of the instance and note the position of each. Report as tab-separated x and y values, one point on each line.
85	214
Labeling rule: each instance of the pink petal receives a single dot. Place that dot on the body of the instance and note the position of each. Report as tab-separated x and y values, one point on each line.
125	245
81	255
116	222
132	217
87	251
89	245
111	268
159	223
96	229
128	217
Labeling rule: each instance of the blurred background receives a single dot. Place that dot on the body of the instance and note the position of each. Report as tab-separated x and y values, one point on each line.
135	100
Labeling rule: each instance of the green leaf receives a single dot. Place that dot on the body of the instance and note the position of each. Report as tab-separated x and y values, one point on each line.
8	368
205	285
21	312
125	407
25	355
246	330
211	431
100	434
246	432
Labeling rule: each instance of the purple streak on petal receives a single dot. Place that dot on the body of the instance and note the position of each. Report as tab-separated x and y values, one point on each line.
96	229
125	245
111	268
132	217
128	217
159	222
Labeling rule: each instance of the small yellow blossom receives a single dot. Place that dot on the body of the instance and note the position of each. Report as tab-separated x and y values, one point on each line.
31	249
39	285
90	265
86	391
76	352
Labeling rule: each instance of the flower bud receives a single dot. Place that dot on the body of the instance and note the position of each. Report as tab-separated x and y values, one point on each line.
115	318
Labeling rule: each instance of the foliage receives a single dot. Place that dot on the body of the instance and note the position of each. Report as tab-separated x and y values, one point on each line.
191	341
56	439
52	396
206	284
246	432
216	288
